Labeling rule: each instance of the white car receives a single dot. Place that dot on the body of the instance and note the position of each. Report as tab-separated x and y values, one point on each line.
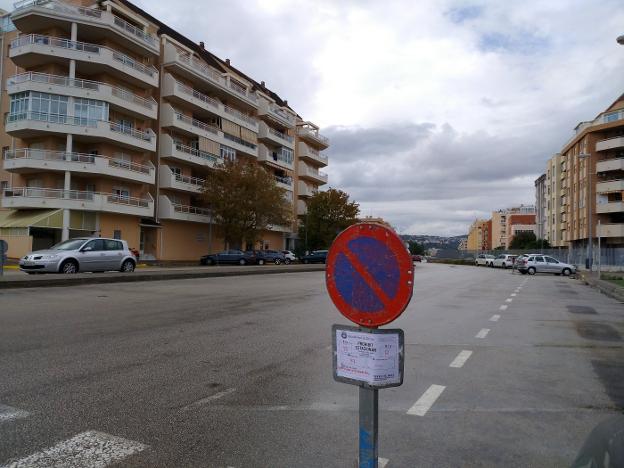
505	261
290	257
484	259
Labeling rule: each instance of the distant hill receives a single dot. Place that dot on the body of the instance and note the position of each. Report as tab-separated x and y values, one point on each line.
436	242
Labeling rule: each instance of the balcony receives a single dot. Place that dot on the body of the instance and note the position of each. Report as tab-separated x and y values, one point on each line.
284	182
169	148
610	143
33	15
311	155
610	207
221	84
610	165
275	114
311	173
275	136
33	197
611	230
610	186
275	158
302	208
313	136
170	180
117	97
33	160
181	94
26	52
305	190
32	124
169	210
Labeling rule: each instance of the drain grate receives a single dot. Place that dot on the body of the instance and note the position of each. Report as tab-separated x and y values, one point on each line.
576	309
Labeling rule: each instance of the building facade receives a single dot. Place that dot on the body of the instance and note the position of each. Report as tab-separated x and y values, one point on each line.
505	224
113	121
540	207
480	235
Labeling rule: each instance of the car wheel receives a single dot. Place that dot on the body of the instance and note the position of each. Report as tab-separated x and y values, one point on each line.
287	261
531	271
523	272
127	266
260	262
566	272
278	261
306	261
476	263
242	261
210	261
69	267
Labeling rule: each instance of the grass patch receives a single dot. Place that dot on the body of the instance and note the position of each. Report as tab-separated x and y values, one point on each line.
617	282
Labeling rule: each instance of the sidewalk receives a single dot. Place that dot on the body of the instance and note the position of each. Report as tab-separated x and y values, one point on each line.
16	279
612	290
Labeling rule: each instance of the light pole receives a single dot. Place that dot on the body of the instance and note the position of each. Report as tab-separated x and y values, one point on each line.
590	238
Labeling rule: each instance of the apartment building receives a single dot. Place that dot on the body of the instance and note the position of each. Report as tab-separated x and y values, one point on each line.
506	222
554	217
480	235
540	207
113	122
592	182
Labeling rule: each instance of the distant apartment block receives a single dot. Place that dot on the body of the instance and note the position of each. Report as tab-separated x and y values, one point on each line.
509	221
113	121
480	235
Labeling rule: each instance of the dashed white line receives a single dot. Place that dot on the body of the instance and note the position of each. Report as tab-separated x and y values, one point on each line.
494	318
513	294
461	359
8	413
503	307
426	401
482	333
509	299
214	397
93	449
382	462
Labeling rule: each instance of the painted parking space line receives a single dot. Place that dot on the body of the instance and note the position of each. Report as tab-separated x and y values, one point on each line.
482	333
208	399
426	401
494	318
8	413
382	462
91	449
503	307
509	299
461	359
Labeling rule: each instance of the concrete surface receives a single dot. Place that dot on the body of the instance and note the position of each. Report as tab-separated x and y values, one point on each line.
236	372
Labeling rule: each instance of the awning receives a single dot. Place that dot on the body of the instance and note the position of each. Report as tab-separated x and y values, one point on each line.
31	218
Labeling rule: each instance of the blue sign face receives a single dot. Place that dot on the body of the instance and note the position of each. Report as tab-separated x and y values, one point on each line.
372	270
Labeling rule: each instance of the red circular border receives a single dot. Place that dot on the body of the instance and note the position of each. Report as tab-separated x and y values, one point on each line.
406	278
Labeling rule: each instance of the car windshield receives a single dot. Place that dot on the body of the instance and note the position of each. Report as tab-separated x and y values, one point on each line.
72	244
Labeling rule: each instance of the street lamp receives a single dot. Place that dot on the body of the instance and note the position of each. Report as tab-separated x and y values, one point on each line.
590	238
620	39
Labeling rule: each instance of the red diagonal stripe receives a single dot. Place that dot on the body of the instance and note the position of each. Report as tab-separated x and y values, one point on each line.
366	276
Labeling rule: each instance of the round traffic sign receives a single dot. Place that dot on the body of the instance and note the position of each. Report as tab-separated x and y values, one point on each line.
370	275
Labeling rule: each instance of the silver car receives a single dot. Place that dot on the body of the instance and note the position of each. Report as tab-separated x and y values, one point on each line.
81	254
537	263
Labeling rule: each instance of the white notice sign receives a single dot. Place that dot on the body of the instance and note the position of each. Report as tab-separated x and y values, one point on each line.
373	358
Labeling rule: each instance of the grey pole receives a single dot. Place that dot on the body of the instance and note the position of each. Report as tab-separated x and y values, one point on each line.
369	427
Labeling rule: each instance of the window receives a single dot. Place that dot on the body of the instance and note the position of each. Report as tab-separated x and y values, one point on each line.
121	192
117	234
19	104
89	111
51	107
539	259
4	184
227	152
113	244
96	245
551	260
610	117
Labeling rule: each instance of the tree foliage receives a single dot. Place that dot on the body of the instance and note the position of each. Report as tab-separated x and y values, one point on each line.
328	214
245	200
528	241
415	248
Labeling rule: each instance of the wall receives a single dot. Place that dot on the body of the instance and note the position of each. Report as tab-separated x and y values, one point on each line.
128	225
178	240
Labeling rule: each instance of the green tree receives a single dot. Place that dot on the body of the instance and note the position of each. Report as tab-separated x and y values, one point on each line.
415	248
245	200
328	213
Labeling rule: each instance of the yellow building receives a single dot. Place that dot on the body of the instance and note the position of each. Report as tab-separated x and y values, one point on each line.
113	122
479	235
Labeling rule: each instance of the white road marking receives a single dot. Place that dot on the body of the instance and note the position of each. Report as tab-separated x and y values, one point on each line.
214	397
482	333
382	462
88	449
8	413
509	299
461	359
426	401
503	307
494	318
513	294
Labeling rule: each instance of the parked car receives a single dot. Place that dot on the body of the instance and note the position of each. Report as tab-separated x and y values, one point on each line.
228	257
543	264
416	258
484	259
267	256
316	256
290	256
504	261
81	254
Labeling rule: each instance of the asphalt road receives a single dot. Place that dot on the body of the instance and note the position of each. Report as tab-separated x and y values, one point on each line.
236	372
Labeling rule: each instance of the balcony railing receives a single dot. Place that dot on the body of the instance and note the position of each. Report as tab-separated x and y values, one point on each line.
82	47
240	141
198	153
196	123
240	115
197	181
205	70
312	134
280	113
139	33
61	194
284	180
281	135
139	134
196	94
190	209
65	81
239	89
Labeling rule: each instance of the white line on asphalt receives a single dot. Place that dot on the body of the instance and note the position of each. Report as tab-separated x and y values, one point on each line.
7	413
461	359
214	397
91	448
482	333
494	318
509	299
426	401
382	462
503	307
514	294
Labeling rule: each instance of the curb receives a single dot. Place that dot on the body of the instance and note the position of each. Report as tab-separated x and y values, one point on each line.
604	287
108	278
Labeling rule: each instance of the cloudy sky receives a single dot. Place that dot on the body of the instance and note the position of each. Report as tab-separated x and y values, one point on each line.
438	111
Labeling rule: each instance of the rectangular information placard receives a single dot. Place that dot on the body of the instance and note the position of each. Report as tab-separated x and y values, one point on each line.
367	357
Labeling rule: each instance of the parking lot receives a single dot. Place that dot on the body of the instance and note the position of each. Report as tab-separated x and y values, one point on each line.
501	369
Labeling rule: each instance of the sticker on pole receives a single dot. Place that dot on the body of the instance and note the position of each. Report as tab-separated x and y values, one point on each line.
370	274
370	358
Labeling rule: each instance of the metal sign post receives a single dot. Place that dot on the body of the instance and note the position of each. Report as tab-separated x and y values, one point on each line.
4	248
369	278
